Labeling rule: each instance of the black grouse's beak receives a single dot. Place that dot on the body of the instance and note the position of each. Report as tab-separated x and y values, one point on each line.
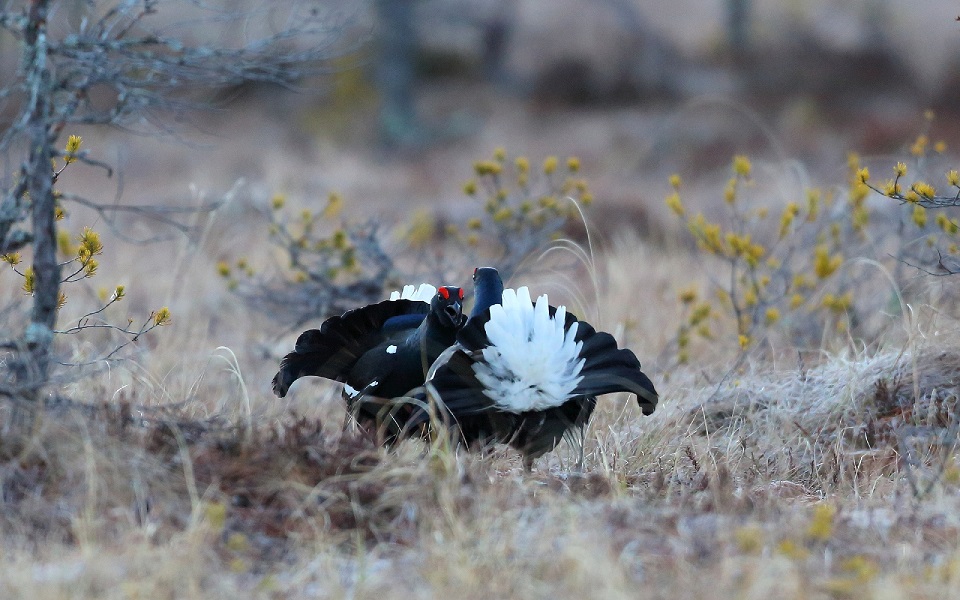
454	311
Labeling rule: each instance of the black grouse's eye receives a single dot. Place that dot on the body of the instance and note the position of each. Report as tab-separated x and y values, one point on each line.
475	269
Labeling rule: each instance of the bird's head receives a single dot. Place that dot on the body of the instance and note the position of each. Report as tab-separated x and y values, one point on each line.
487	289
447	305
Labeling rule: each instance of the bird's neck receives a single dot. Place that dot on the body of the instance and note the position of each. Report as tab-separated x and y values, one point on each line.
485	298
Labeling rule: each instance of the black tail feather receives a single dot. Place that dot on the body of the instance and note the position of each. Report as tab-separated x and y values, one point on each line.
609	369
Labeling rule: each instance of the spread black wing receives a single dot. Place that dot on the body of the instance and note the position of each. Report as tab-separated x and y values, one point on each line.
335	347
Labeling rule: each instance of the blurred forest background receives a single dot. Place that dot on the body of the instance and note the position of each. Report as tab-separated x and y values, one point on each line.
636	89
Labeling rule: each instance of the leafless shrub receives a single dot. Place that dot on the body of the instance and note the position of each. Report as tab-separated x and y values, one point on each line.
136	65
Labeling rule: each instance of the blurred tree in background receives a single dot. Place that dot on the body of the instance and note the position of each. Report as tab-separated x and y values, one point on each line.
141	65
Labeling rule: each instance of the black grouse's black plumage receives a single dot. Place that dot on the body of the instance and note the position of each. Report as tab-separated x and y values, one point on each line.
478	409
487	289
380	352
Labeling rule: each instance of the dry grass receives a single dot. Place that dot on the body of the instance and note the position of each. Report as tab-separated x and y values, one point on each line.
178	475
834	479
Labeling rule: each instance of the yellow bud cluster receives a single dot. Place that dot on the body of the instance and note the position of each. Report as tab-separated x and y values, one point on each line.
801	281
853	162
683	339
550	164
953	178
891	188
688	296
821	526
920	216
730	191
772	316
858	193
73	145
277	202
825	265
548	202
334	205
786	220
11	258
573	164
837	304
487	167
244	265
919	147
90	242
900	169
924	189
861	217
742	246
503	214
741	166
422	229
948	225
813	204
700	313
161	317
65	243
29	280
674	203
707	234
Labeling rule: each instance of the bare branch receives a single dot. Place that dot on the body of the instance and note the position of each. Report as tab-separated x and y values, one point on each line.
161	215
128	69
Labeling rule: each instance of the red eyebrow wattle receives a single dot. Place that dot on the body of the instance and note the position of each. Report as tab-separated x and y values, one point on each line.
444	293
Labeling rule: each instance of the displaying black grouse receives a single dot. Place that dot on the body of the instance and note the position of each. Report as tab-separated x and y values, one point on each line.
380	352
527	374
487	289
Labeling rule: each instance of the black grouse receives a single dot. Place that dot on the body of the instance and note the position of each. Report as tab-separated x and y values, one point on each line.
380	352
527	374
